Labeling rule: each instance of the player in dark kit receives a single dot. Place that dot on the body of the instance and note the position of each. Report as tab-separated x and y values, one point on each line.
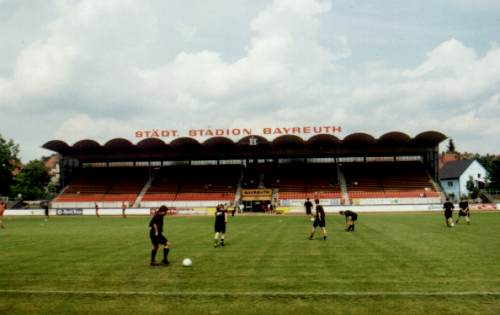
448	212
464	211
46	210
319	220
220	225
156	236
308	206
350	218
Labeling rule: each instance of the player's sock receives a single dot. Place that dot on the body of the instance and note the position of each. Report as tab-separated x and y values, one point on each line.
165	255
311	236
153	255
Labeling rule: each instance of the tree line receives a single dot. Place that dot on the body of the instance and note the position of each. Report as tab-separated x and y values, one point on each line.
30	181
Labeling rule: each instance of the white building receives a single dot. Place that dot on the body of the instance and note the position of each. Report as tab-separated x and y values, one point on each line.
455	175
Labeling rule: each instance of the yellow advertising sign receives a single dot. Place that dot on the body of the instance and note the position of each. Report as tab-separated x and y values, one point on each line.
256	194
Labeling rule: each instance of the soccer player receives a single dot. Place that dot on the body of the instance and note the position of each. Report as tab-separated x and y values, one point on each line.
464	211
308	206
350	218
156	236
448	212
319	220
96	209
46	209
124	207
220	225
2	210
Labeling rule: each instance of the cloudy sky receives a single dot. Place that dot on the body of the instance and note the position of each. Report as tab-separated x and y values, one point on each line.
98	69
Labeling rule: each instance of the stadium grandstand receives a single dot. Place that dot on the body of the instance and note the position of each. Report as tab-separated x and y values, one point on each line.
359	169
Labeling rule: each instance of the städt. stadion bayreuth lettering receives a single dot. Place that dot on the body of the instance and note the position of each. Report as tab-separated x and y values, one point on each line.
227	132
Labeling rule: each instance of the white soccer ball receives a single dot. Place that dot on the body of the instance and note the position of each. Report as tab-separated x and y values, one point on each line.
187	262
312	219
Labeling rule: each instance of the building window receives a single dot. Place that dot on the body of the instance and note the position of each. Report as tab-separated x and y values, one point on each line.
478	175
450	184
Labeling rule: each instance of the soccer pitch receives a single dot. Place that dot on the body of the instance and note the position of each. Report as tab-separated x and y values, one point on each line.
392	263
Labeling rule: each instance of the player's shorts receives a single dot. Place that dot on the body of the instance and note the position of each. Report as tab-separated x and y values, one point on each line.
220	228
308	212
352	218
448	214
157	240
320	223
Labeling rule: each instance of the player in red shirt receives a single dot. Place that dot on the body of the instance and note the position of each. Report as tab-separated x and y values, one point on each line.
2	210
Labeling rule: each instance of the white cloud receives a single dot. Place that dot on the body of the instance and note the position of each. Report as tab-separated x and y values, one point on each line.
107	67
283	58
82	126
87	37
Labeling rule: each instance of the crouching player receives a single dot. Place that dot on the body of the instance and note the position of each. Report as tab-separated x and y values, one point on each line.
464	211
220	225
350	218
319	220
156	236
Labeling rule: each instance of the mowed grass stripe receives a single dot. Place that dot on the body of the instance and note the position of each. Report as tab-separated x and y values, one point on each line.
259	294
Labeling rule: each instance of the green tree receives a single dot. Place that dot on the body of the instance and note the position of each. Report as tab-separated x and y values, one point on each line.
472	188
32	181
451	146
494	175
8	161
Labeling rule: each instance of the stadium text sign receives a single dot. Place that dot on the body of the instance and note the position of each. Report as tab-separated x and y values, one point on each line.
69	212
256	194
225	132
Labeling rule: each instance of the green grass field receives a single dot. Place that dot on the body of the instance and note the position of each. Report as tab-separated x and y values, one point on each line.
391	264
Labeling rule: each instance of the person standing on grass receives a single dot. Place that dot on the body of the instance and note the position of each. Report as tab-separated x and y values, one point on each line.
464	211
319	220
220	225
96	209
308	206
2	210
124	208
350	218
157	237
448	212
46	210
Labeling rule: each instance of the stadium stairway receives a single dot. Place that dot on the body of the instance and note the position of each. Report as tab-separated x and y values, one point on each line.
60	193
144	190
343	186
237	195
435	184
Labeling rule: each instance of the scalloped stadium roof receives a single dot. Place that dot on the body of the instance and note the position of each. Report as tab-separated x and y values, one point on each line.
356	144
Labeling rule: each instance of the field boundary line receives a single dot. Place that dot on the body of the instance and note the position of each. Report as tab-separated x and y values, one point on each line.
255	293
